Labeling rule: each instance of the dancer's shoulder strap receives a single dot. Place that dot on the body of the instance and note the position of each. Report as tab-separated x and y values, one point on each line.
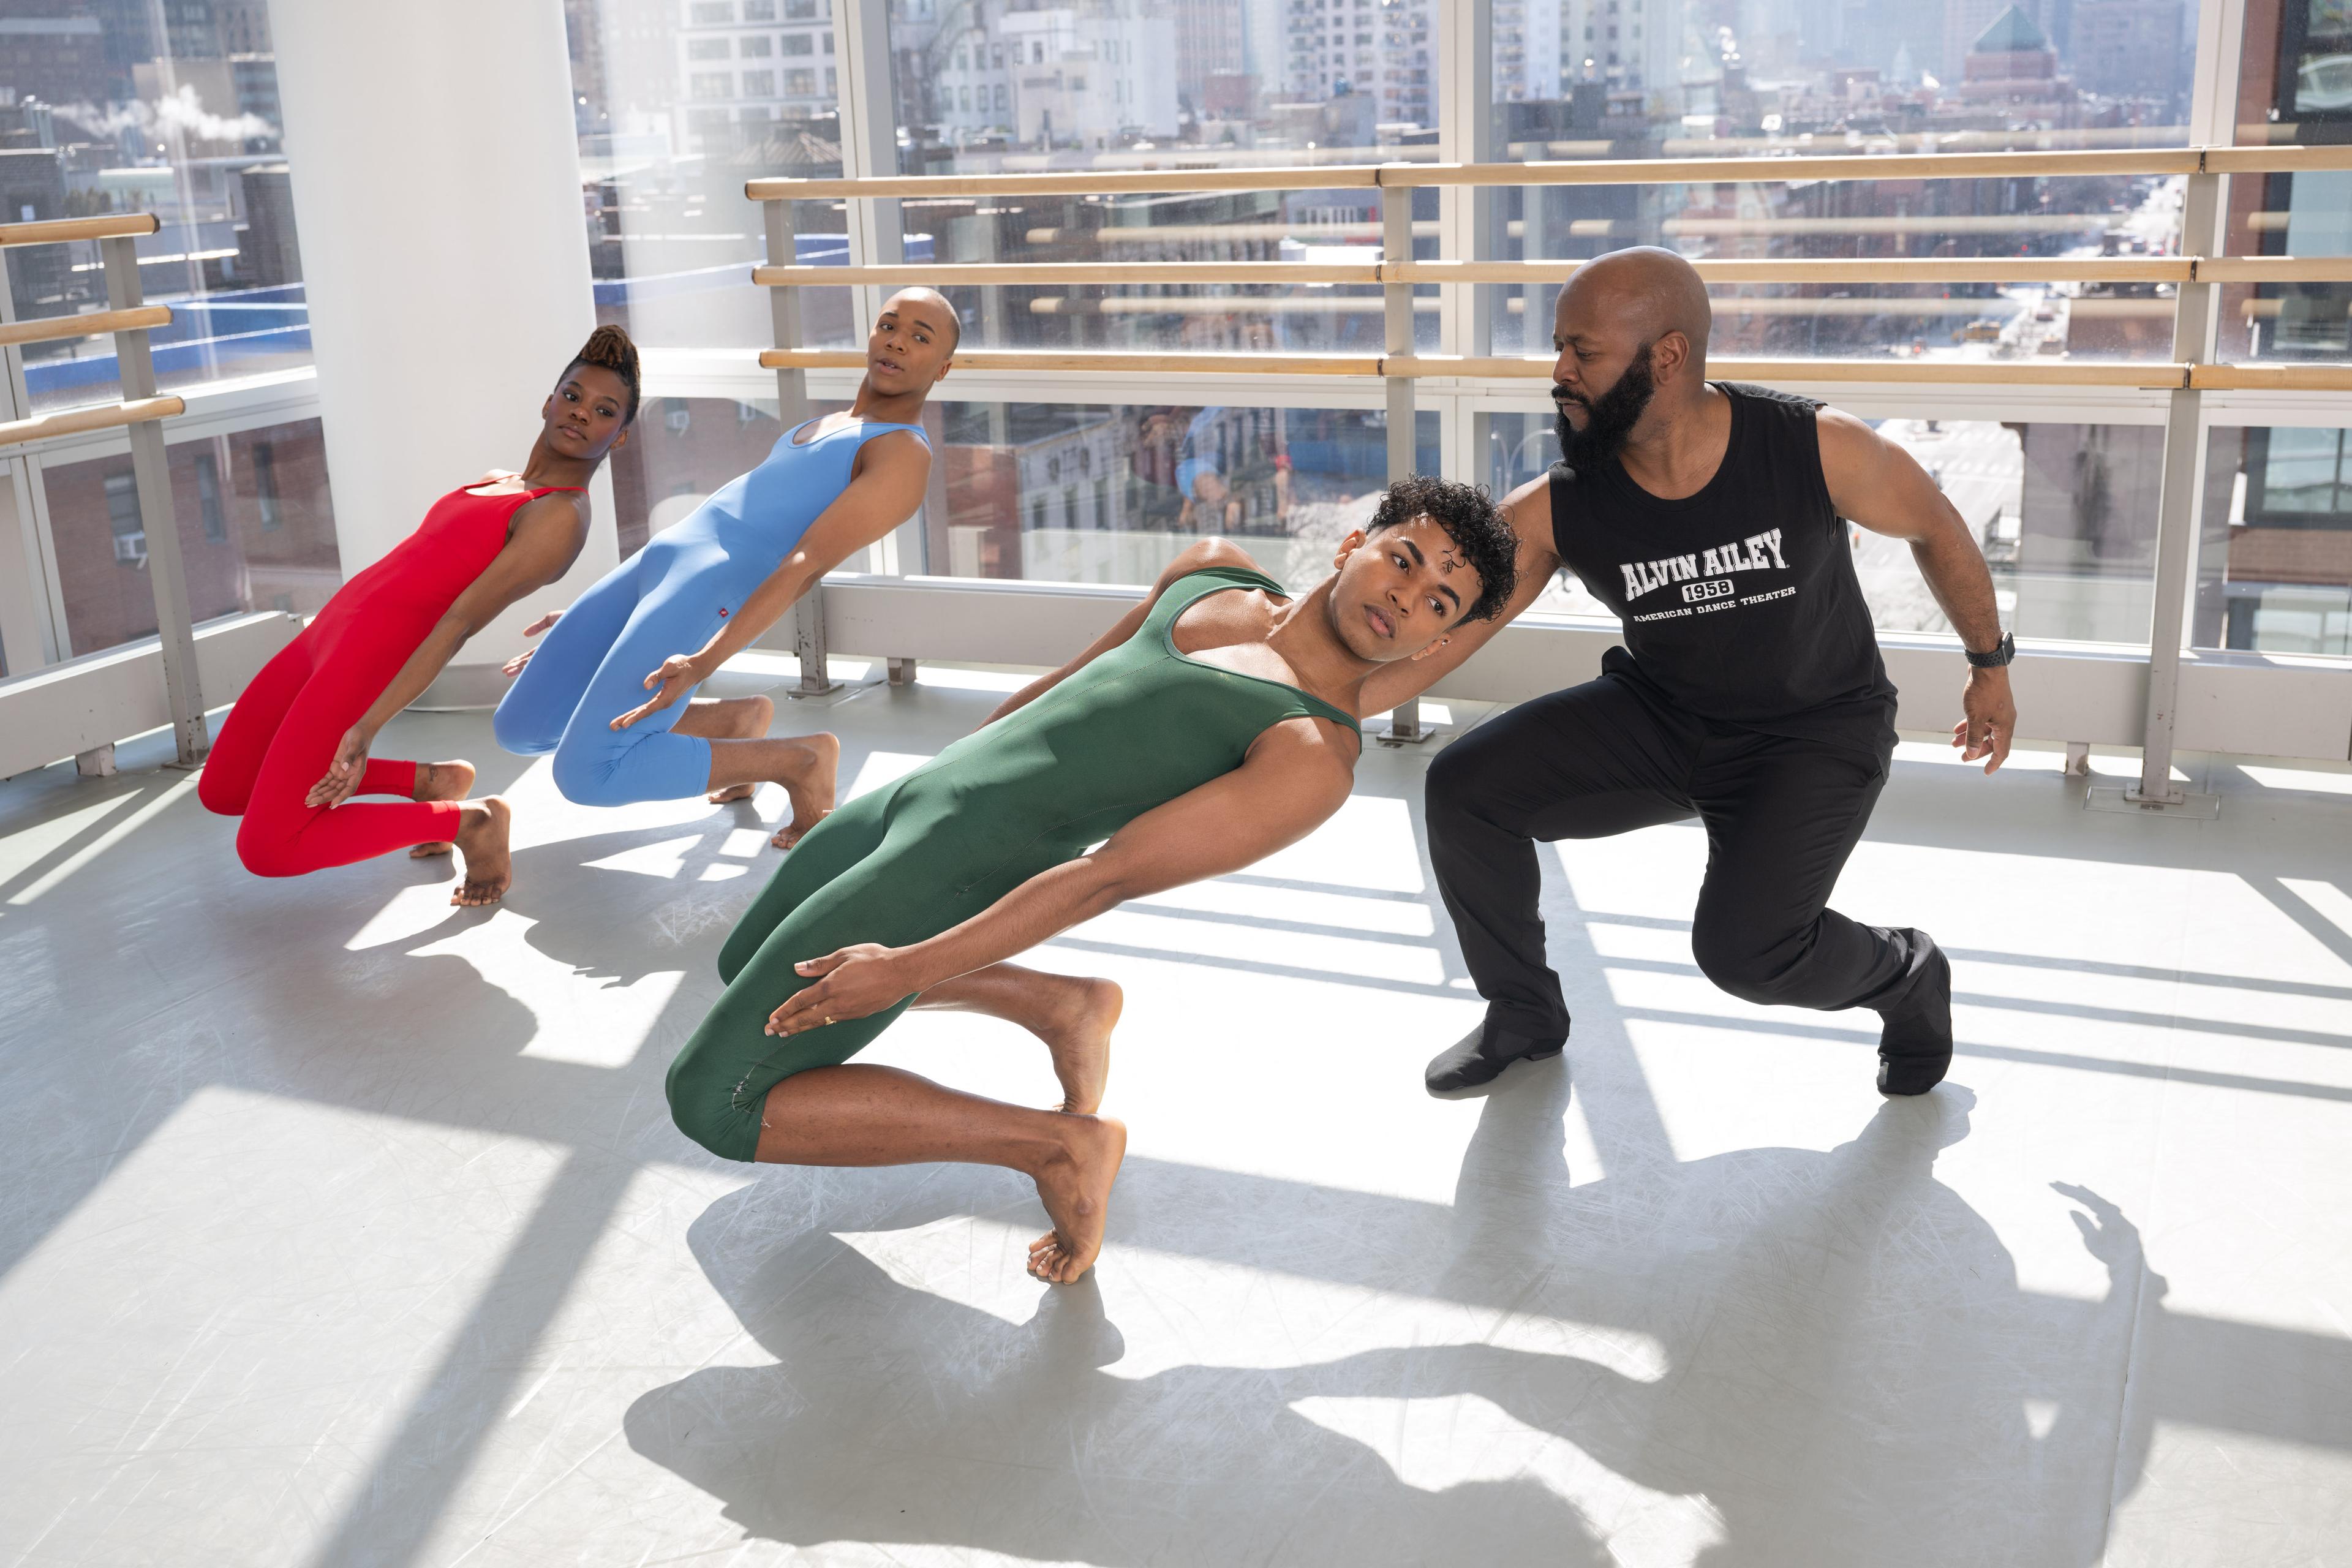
1195	585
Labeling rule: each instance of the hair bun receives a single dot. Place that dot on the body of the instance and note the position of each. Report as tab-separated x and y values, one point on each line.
609	348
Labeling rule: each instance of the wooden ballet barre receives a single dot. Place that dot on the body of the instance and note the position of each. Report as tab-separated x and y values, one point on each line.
1220	305
99	417
2162	376
2274	270
1761	170
1210	233
1078	182
1925	270
1776	171
51	329
1945	373
1111	361
1873	166
2271	377
2277	159
1054	274
1928	270
51	231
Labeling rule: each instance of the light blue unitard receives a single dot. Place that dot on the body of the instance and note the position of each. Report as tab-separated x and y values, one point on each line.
671	597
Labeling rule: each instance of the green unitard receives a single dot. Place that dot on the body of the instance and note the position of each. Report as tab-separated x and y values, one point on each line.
1134	729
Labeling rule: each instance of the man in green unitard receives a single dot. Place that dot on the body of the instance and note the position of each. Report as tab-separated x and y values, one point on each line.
1214	724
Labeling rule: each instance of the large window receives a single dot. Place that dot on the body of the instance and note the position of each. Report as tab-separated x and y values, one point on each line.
987	85
2295	88
2274	570
256	532
1060	491
1665	78
172	110
164	109
1069	486
2065	515
669	130
1110	492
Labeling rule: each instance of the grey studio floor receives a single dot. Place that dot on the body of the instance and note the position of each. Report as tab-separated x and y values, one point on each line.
338	1227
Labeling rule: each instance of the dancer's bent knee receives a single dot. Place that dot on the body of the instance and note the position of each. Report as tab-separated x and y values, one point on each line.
518	728
217	794
1750	966
706	1108
597	765
266	849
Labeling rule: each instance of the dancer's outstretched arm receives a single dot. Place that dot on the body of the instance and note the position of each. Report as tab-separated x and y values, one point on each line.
1297	774
884	492
1197	556
543	541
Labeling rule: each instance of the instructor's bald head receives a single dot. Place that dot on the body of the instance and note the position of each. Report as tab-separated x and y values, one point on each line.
1617	304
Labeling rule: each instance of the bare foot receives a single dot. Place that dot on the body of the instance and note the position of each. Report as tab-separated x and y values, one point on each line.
810	788
439	781
1076	1193
752	717
482	840
1079	1036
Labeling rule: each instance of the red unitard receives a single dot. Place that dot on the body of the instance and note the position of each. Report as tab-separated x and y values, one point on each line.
281	736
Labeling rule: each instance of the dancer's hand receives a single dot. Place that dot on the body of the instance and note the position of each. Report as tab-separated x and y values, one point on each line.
678	676
343	774
1991	717
856	982
515	665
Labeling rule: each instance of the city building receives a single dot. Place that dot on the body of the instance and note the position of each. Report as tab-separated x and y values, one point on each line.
1378	50
741	63
2010	66
1090	76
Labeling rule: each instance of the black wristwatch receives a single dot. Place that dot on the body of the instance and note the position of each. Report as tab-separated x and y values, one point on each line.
2003	652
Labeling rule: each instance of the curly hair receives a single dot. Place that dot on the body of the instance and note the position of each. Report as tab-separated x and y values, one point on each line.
609	348
1471	519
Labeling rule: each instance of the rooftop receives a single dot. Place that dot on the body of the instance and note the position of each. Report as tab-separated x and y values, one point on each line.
2012	32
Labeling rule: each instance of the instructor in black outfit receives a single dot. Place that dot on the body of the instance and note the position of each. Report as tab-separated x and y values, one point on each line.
1749	692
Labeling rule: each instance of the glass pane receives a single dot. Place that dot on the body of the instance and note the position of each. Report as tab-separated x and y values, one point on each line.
172	112
2274	563
1520	447
680	451
256	531
676	106
1080	493
683	449
2064	513
2295	87
988	86
1664	78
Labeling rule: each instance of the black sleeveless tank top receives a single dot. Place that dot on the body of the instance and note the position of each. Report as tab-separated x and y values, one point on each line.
1740	602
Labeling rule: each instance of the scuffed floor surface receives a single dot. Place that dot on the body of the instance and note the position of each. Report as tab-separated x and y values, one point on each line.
338	1227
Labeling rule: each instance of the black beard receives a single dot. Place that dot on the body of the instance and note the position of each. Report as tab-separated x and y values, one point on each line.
1608	419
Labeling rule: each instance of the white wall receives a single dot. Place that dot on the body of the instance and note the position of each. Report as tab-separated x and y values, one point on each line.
437	192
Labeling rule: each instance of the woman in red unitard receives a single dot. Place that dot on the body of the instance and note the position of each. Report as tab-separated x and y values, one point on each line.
296	745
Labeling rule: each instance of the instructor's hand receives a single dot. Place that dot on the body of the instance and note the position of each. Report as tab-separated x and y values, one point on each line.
678	676
343	774
515	665
1991	718
857	982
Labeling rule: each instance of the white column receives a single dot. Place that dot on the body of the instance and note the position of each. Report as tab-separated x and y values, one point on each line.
445	251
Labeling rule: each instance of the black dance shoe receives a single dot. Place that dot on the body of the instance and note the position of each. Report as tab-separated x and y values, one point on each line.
1480	1057
1914	1048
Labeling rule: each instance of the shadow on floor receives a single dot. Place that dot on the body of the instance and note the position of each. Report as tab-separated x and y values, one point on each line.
1847	1372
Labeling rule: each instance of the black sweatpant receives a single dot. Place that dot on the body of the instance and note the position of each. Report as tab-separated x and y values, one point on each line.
1781	817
